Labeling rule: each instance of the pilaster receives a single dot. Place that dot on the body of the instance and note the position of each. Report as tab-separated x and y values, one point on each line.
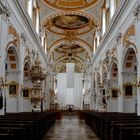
3	43
21	69
137	29
120	69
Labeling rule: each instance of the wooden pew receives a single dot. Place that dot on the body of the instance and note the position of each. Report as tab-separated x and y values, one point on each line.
114	126
29	126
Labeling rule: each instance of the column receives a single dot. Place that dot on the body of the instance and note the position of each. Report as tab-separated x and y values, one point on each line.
137	26
91	89
99	96
3	44
21	72
120	75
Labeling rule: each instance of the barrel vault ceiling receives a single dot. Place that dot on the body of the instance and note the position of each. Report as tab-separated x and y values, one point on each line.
69	27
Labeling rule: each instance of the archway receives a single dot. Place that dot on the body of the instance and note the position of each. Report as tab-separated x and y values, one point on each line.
129	78
113	88
12	77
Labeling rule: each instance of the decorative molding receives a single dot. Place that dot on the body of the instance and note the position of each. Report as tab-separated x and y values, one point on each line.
128	35
137	13
70	4
113	54
12	31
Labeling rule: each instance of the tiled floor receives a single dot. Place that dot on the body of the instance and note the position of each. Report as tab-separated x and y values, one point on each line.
70	129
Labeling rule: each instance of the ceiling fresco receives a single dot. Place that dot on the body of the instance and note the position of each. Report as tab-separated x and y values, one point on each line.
65	54
70	21
70	4
63	23
73	49
70	27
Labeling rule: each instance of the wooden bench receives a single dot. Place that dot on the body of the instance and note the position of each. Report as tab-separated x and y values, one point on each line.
114	126
28	126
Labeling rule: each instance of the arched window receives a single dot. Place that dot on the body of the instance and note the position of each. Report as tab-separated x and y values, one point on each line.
26	4
103	21
34	16
112	8
107	17
117	3
37	20
30	7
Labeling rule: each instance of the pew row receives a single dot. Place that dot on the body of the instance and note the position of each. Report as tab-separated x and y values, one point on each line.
25	126
114	125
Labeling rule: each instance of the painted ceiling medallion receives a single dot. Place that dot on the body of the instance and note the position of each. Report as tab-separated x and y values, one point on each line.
70	4
64	24
70	21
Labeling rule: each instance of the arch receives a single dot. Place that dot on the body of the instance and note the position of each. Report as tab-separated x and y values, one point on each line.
27	68
77	58
129	53
112	63
12	57
129	76
113	70
78	41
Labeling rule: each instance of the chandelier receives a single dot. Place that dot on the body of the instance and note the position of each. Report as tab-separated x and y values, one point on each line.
37	72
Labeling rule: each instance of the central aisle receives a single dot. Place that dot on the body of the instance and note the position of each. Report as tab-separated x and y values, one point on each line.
70	128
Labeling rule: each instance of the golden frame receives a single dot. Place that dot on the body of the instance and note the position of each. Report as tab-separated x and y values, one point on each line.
128	89
13	89
114	93
26	93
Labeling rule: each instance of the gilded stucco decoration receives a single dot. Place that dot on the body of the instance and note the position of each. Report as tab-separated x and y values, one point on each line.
67	22
113	54
16	38
70	4
130	32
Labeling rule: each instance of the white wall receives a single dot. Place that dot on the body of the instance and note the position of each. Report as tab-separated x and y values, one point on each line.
112	105
69	95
